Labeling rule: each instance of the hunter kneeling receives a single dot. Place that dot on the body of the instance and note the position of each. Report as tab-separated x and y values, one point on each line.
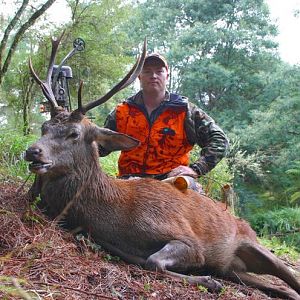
168	126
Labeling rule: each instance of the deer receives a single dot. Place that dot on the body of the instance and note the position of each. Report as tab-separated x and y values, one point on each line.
145	222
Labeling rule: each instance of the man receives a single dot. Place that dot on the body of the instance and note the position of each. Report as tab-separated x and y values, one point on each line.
167	125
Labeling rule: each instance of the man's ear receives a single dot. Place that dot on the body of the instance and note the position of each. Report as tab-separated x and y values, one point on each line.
114	141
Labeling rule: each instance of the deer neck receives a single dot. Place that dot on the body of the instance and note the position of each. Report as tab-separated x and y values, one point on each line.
85	183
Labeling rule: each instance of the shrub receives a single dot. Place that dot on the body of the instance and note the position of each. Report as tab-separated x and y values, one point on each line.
109	163
12	146
214	181
283	224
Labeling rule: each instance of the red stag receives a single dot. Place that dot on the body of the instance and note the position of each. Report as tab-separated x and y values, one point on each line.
144	221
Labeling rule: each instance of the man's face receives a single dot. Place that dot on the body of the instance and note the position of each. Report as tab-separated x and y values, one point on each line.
154	76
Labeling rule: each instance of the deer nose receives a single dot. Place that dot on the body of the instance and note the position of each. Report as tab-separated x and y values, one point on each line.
33	153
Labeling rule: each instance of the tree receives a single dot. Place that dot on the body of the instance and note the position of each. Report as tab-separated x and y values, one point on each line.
221	52
101	65
274	133
108	53
15	31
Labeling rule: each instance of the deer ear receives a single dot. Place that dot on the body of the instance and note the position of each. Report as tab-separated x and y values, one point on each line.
114	141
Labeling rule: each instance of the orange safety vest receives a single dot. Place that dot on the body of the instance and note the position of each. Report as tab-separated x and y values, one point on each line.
164	145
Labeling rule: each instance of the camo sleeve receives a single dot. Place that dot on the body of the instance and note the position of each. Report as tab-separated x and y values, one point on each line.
202	130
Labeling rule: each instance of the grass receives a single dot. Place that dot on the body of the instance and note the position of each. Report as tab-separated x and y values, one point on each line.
280	248
12	147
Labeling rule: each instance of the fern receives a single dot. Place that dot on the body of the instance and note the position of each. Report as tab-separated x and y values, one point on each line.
294	176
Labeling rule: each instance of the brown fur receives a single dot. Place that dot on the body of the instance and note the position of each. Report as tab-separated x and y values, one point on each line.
146	221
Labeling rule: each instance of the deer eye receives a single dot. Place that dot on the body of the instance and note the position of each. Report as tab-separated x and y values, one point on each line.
73	135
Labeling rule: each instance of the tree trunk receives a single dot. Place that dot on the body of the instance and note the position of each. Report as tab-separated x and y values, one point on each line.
26	107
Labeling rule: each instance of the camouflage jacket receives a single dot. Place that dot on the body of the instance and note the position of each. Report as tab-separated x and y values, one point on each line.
200	129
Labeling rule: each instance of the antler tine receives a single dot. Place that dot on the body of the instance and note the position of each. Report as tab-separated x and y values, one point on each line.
34	75
46	89
46	86
80	96
55	44
127	80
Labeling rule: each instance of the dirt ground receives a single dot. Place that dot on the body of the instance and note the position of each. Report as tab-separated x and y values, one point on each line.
38	260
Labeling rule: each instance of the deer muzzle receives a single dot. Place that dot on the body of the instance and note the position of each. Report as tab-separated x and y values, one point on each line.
38	164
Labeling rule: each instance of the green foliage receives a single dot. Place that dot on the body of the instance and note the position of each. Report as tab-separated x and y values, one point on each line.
12	287
34	204
294	189
213	182
201	288
147	286
250	200
109	163
280	248
31	215
273	136
273	131
88	243
223	291
12	146
243	164
283	223
111	258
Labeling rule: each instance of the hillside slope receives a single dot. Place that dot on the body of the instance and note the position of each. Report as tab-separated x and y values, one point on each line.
38	260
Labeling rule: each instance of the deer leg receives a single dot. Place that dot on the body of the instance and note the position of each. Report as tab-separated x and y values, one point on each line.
129	258
259	260
268	288
176	256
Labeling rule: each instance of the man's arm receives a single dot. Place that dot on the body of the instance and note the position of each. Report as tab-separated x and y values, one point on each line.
202	130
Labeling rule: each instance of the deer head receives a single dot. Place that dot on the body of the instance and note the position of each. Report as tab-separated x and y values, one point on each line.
66	133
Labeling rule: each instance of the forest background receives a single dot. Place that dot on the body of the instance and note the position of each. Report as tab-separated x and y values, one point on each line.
222	54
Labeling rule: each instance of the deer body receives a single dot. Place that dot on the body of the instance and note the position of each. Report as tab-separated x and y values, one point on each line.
139	209
135	216
144	221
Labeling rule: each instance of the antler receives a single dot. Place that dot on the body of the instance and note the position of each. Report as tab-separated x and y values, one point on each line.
126	81
46	85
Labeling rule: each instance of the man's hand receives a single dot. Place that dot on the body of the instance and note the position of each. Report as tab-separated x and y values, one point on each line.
183	170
